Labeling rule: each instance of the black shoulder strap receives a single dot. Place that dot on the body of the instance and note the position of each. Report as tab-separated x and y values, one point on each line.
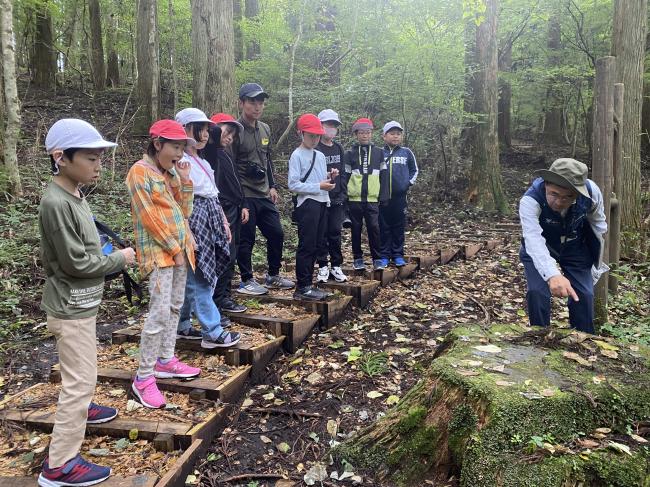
102	227
313	160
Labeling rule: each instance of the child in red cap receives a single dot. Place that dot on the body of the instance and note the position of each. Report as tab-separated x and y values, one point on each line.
161	202
367	183
309	179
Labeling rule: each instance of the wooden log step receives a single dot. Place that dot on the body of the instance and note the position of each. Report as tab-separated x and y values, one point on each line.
231	354
360	291
406	270
425	262
384	276
143	480
448	254
330	311
470	250
258	356
176	475
294	330
226	391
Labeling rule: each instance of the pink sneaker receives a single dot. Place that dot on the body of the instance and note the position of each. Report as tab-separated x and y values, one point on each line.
174	369
147	393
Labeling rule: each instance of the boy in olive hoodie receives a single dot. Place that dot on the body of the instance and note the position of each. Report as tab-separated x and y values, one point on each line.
366	179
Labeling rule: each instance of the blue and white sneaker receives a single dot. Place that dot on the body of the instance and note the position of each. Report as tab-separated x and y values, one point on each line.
75	472
379	264
100	414
278	282
399	261
359	265
252	288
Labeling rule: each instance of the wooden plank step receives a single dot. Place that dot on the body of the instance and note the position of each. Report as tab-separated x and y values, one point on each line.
384	276
406	270
231	354
143	480
226	391
257	356
176	475
360	291
448	254
425	262
330	311
294	330
471	249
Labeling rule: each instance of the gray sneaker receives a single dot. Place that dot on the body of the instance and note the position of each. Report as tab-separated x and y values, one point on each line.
252	288
278	282
311	293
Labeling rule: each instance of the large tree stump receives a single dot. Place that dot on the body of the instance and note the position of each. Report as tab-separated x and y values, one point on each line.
510	407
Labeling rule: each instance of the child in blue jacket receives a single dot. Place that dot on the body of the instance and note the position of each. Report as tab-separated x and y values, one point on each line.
403	171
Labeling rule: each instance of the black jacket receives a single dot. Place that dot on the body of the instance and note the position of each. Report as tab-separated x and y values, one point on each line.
334	156
225	173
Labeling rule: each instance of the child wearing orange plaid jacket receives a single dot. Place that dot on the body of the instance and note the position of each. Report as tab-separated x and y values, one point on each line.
161	202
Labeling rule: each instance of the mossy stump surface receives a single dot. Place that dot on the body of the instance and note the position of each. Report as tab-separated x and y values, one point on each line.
513	407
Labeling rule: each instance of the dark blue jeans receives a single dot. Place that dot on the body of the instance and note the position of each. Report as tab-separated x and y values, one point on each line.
392	223
576	267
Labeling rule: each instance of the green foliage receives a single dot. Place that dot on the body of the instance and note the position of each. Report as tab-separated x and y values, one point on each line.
374	364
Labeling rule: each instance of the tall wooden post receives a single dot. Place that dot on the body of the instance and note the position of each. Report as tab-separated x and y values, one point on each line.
603	152
615	216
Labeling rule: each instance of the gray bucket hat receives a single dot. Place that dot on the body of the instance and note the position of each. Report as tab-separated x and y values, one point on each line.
567	173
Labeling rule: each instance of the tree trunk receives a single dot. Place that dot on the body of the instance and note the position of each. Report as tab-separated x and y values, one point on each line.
630	17
485	182
553	133
43	55
467	134
645	121
239	38
172	52
213	53
96	45
11	101
505	97
113	64
148	76
251	11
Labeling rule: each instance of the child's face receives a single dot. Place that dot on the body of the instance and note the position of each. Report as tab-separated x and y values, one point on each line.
202	139
85	166
169	153
310	140
227	134
364	136
393	137
331	129
252	108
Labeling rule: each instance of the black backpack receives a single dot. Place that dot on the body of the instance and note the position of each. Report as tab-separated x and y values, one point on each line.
105	237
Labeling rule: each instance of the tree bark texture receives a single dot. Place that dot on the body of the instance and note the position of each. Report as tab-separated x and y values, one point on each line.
213	41
251	10
630	25
172	52
11	101
553	113
239	38
505	97
485	182
148	63
43	54
96	45
113	64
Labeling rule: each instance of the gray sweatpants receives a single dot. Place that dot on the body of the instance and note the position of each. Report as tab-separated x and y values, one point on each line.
158	338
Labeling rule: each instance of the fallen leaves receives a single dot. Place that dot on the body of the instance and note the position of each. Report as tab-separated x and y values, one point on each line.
374	394
487	348
577	358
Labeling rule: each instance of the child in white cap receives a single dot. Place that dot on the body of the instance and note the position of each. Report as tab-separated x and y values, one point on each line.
75	268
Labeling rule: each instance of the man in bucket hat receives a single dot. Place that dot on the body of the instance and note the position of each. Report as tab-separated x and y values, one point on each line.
563	223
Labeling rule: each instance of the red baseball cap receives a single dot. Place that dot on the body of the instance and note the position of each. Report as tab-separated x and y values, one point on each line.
226	118
171	130
310	123
362	124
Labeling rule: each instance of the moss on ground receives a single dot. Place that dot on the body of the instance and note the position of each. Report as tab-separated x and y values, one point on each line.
515	415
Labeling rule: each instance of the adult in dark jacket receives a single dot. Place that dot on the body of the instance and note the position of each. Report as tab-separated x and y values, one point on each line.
231	197
402	173
335	213
252	154
563	224
366	179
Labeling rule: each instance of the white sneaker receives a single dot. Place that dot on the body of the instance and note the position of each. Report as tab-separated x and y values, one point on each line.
323	274
337	274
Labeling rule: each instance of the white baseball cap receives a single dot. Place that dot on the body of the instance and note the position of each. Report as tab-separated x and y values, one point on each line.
192	115
329	115
72	133
392	125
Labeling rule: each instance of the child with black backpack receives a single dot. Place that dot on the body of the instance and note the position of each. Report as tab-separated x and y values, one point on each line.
309	179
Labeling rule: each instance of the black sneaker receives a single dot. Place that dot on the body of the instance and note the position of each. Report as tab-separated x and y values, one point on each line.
225	322
190	334
226	339
232	307
310	293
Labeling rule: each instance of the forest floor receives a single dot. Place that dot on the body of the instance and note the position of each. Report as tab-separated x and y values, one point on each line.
341	379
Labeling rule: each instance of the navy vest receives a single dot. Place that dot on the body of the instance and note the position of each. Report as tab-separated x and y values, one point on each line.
569	234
